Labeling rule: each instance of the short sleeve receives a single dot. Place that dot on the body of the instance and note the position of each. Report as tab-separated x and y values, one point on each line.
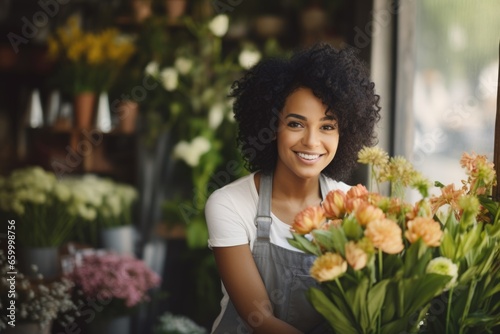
225	225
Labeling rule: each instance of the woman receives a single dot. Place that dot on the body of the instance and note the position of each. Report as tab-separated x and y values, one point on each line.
301	124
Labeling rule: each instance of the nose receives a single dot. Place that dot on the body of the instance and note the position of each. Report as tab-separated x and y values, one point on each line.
311	138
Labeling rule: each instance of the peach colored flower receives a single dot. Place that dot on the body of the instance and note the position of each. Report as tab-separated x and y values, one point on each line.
427	229
334	204
385	235
355	256
331	223
448	196
309	219
355	196
328	267
366	213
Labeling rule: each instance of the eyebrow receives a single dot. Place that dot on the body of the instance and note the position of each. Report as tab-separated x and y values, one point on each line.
326	118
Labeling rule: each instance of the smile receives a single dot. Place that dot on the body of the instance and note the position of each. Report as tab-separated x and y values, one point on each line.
309	157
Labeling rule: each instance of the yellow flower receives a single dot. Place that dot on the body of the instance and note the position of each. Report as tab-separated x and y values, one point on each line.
366	213
374	156
355	256
427	229
309	219
334	204
385	235
328	267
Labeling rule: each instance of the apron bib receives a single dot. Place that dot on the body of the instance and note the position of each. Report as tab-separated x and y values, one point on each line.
285	274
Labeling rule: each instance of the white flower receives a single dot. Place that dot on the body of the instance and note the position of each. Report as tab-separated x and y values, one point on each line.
443	266
169	78
219	25
152	69
248	58
192	152
183	65
215	115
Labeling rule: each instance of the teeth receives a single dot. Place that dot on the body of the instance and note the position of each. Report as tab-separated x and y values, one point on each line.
308	156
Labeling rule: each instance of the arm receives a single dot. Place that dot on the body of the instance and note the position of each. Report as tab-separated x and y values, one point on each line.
246	290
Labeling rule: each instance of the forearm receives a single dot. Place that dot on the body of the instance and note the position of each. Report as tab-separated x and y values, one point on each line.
272	325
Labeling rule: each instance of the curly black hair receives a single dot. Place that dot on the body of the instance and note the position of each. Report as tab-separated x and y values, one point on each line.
336	76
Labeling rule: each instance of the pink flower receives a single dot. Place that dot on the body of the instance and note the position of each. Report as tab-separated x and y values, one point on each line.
309	219
115	276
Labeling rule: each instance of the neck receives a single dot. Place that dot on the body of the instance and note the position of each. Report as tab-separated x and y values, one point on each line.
288	185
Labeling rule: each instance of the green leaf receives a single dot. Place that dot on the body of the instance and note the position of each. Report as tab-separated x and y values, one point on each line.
330	312
448	247
324	239
352	229
196	234
376	297
302	243
358	297
420	291
390	302
339	240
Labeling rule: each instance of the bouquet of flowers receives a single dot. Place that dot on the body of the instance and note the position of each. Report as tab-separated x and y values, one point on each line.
120	282
39	204
382	263
36	301
88	61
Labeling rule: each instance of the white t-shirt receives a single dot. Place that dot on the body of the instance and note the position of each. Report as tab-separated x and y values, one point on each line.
230	214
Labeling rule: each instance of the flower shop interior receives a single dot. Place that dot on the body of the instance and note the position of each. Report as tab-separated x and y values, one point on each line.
115	127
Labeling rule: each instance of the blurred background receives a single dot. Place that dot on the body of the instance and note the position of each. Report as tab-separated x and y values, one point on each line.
115	124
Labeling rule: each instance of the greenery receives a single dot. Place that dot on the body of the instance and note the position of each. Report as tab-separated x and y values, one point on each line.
383	263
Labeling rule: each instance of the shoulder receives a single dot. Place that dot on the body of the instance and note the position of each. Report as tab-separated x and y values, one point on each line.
241	189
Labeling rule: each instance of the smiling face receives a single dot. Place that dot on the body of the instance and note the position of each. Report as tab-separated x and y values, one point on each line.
307	138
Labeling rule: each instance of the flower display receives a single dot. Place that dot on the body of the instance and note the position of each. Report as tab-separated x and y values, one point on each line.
122	282
388	266
88	61
50	211
39	204
36	301
177	324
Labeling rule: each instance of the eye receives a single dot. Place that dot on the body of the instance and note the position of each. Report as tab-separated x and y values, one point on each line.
330	127
294	124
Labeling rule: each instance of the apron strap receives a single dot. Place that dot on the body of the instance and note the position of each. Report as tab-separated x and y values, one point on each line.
263	219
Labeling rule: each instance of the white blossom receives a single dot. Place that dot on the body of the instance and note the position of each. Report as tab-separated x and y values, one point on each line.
215	115
192	152
183	65
169	78
219	25
249	58
152	69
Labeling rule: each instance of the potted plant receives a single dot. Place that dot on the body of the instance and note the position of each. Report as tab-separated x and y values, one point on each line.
38	205
87	64
35	304
118	283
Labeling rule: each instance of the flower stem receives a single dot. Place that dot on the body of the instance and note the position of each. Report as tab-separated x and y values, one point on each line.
448	311
467	305
380	272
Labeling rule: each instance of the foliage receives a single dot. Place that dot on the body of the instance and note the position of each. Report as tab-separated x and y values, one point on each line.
88	61
402	258
120	282
36	301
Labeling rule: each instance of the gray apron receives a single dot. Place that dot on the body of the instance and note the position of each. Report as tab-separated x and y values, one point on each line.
285	274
